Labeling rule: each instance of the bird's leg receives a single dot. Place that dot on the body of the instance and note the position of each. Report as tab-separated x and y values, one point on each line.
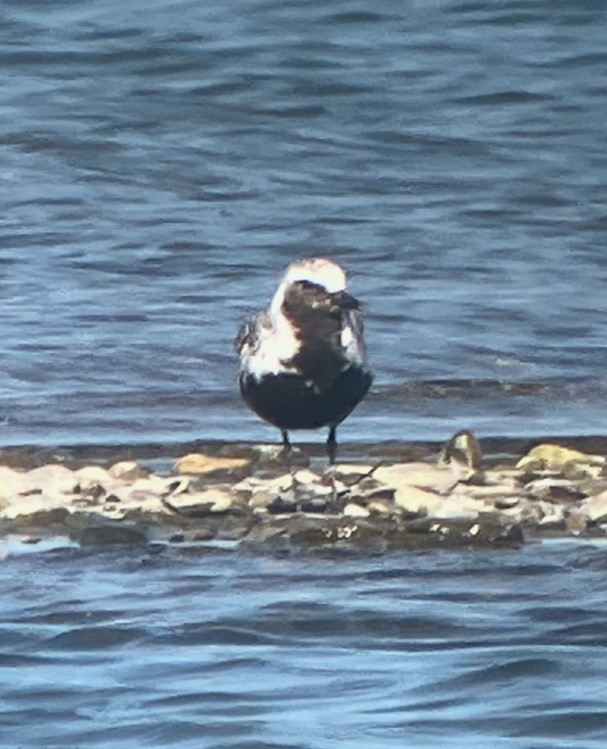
286	451
332	445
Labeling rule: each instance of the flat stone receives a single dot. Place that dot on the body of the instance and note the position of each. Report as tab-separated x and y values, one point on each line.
51	479
31	504
453	507
128	470
556	490
422	475
306	477
415	500
199	463
212	501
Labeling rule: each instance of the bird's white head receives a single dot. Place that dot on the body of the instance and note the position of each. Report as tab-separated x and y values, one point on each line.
316	270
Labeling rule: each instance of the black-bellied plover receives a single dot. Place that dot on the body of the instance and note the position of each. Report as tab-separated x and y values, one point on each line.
303	359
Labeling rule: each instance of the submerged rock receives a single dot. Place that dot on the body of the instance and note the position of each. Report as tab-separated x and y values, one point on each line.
111	534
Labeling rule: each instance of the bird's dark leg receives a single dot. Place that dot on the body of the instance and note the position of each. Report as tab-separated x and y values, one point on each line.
332	445
286	443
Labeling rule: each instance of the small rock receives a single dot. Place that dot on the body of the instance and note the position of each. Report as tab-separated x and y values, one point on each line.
576	523
306	477
198	463
506	502
128	470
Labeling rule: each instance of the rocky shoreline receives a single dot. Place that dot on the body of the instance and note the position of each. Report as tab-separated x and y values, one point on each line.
256	497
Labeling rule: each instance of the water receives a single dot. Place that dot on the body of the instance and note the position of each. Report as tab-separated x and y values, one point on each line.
161	164
218	649
159	170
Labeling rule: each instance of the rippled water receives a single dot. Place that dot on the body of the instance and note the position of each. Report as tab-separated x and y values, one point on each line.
221	649
162	165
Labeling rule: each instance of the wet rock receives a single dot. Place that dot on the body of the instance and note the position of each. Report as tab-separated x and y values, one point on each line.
234	527
261	533
110	534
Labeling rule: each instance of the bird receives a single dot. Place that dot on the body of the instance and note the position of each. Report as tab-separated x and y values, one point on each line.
302	359
464	455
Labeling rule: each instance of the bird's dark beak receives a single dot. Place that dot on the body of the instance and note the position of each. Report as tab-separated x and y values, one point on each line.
344	301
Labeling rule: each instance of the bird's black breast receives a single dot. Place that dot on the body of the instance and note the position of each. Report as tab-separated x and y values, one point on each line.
289	402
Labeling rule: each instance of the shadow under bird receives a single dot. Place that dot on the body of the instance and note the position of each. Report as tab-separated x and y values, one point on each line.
302	359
